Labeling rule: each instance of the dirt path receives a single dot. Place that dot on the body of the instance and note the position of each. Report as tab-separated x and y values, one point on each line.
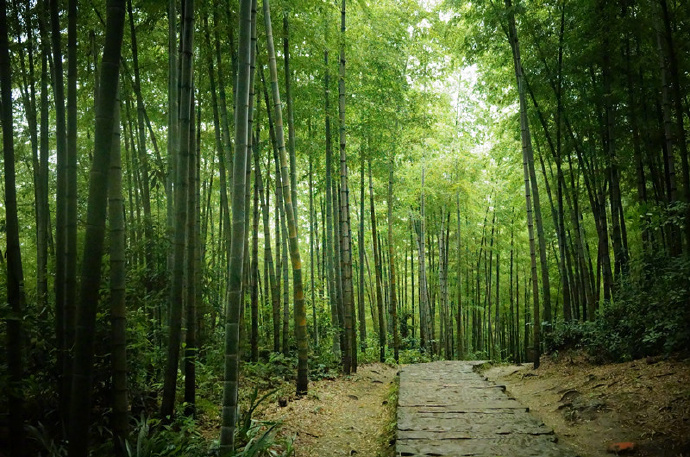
447	409
590	407
342	417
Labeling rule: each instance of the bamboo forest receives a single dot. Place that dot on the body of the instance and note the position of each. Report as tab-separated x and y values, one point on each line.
223	222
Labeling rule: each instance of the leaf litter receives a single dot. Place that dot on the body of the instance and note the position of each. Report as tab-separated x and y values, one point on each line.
345	416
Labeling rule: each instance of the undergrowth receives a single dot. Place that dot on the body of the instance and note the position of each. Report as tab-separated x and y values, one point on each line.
649	315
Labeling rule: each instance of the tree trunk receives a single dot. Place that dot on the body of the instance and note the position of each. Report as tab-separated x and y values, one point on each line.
412	294
281	250
184	143
173	118
15	275
337	265
247	18
360	242
191	346
299	310
345	241
312	245
670	53
143	154
71	177
118	310
391	254
377	269
64	316
254	335
268	256
43	209
220	145
80	397
330	255
460	336
276	285
290	110
530	176
424	318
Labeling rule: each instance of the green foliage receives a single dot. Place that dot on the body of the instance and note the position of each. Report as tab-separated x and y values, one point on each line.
277	370
371	353
414	356
245	421
153	439
650	316
45	441
258	438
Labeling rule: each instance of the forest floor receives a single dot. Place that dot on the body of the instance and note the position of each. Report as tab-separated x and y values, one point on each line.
345	416
590	407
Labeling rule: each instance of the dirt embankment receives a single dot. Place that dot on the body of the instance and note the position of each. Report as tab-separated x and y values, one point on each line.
646	402
350	415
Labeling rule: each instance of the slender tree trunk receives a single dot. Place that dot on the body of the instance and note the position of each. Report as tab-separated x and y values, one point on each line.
312	245
191	346
15	275
80	397
71	174
345	241
391	251
225	157
184	144
360	289
118	310
497	321
173	118
268	256
299	311
246	279
460	336
337	237
254	336
530	176
442	283
488	274
412	294
567	309
64	316
43	209
279	204
330	255
143	154
247	17
670	53
220	145
620	255
28	91
377	268
290	110
281	249
513	325
424	321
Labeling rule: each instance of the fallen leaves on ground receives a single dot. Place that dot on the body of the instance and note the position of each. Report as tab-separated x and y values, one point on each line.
646	402
342	417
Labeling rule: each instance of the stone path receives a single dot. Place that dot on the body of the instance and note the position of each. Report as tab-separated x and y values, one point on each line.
446	409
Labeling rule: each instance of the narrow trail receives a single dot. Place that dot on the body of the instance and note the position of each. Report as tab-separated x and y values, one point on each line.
447	409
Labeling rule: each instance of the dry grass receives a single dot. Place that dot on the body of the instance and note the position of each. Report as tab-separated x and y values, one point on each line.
346	416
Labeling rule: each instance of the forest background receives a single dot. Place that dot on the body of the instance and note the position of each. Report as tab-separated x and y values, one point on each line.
398	181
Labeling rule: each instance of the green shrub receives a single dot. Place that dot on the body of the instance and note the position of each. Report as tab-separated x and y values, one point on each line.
649	315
